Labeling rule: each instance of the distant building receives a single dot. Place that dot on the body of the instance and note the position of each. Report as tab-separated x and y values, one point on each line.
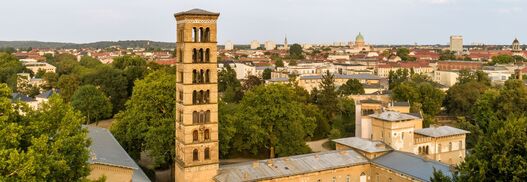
229	45
286	45
446	78
456	43
36	66
270	45
459	65
516	48
255	44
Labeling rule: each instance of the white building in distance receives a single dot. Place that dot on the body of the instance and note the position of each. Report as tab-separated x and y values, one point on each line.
456	43
270	45
229	45
255	44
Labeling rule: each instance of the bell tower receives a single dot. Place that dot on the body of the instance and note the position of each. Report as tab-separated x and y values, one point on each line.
197	149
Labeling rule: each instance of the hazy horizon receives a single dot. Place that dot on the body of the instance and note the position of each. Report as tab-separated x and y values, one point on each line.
425	22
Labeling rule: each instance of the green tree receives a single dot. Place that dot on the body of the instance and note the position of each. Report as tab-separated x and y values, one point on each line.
351	87
483	112
424	94
68	84
503	59
48	144
279	63
512	99
50	80
267	74
271	117
403	53
9	67
89	62
65	63
466	76
438	176
229	85
251	82
499	155
446	55
147	123
296	52
461	97
397	77
328	96
92	103
112	82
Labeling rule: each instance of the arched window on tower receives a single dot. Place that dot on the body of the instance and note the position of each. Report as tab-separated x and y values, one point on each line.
195	155
194	55
201	34
201	76
195	136
207	55
207	35
207	76
206	135
194	97
207	97
201	97
195	34
180	55
207	116
201	117
207	153
201	55
195	117
194	76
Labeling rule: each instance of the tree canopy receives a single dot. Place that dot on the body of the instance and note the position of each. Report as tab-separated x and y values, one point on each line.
268	117
48	144
351	87
9	67
147	123
92	103
296	52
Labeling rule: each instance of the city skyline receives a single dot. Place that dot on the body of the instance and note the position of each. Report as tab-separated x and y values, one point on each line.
312	21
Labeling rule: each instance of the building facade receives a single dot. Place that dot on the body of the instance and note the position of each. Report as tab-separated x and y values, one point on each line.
196	92
456	43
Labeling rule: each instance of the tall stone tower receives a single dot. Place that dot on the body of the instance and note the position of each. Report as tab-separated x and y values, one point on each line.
197	149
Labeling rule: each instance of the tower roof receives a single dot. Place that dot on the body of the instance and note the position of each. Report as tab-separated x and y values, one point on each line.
359	37
197	11
516	41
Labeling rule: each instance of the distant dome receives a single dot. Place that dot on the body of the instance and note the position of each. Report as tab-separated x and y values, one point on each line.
516	41
359	38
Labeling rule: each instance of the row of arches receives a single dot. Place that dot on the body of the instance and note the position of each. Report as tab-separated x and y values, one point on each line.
195	135
201	117
206	154
201	34
423	150
201	76
201	55
201	97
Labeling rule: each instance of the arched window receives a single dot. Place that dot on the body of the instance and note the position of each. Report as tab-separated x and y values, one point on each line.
207	116
348	178
201	117
194	55
180	116
426	150
180	55
201	97
207	35
206	134
201	55
207	76
207	153
195	34
195	155
194	97
362	177
449	146
207	55
195	117
420	150
195	136
460	145
201	35
201	76
207	96
194	75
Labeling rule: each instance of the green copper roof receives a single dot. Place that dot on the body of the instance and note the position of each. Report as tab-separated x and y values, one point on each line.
359	38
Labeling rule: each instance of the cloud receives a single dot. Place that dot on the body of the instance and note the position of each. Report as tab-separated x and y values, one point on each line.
512	10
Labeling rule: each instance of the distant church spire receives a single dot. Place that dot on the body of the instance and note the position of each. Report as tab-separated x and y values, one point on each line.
286	46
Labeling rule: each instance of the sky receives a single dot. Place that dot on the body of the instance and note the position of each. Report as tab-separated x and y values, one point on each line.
241	21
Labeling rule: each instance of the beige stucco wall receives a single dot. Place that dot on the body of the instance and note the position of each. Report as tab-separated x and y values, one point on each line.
399	134
112	173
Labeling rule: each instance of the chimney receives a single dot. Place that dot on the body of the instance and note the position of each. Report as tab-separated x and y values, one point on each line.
270	162
256	164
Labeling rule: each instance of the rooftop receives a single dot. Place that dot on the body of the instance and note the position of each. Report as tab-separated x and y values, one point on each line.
196	11
393	116
363	144
411	165
289	166
440	131
106	150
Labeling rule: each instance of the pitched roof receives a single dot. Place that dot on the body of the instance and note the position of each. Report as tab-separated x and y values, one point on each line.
363	144
289	166
393	116
411	165
20	97
106	150
47	94
196	11
440	131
